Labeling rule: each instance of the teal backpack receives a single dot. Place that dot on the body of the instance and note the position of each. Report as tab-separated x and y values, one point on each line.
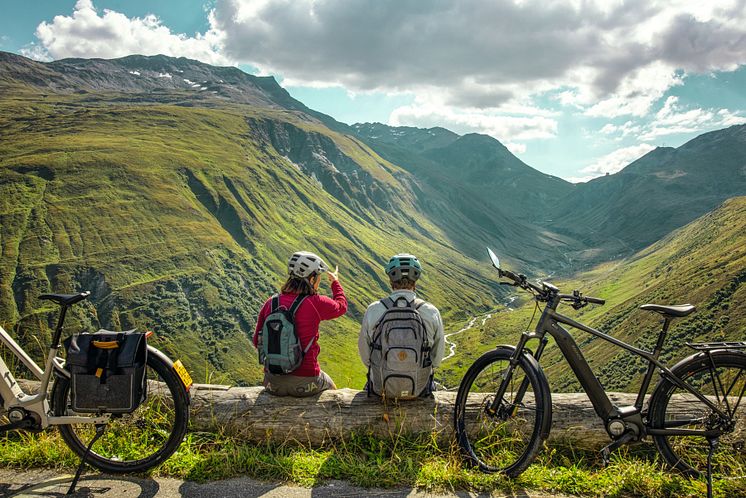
279	347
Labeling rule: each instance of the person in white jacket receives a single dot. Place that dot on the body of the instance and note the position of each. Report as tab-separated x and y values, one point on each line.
403	271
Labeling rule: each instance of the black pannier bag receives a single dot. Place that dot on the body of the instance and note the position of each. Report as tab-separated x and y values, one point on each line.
107	371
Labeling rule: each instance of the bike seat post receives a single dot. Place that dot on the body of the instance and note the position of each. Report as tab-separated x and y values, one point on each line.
651	366
58	330
662	336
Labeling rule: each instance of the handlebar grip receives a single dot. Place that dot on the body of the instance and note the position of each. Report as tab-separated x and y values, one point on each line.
595	300
509	274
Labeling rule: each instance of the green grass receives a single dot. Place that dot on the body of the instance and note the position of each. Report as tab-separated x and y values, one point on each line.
414	462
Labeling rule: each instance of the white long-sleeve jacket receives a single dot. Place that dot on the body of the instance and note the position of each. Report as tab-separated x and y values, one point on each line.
430	316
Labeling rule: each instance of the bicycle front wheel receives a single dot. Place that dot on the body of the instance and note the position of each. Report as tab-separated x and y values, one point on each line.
137	441
508	440
720	377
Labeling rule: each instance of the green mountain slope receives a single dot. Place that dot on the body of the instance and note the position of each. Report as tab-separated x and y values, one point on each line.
179	213
558	227
504	201
175	191
662	190
703	263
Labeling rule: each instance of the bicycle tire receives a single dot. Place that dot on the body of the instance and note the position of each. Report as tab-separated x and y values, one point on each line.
473	424
137	441
688	454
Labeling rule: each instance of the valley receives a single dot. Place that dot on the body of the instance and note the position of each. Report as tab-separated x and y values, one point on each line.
177	206
702	263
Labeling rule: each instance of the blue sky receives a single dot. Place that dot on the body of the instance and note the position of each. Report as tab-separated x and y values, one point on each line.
575	89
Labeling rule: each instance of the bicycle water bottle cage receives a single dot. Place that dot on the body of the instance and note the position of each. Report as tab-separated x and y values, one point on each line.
710	346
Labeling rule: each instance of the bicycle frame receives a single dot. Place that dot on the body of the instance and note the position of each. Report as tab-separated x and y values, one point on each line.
549	323
14	397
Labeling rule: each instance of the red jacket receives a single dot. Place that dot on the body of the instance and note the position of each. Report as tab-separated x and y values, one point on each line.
307	319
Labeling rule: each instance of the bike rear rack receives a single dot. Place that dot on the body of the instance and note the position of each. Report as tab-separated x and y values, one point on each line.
709	346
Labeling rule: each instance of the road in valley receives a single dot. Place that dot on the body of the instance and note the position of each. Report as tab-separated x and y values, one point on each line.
470	325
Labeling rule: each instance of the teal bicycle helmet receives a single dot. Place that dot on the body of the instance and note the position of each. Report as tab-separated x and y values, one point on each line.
404	265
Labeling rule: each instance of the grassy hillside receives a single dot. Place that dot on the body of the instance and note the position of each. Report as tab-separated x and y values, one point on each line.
175	192
703	263
181	218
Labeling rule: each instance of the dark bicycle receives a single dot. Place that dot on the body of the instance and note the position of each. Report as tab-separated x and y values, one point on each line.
695	416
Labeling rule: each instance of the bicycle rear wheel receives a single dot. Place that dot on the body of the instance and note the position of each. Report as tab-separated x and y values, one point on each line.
722	380
137	441
509	440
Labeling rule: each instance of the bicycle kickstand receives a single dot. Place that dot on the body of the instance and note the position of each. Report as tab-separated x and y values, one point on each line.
713	442
99	432
606	451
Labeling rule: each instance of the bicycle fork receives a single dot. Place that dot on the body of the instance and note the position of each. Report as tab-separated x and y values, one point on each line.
510	409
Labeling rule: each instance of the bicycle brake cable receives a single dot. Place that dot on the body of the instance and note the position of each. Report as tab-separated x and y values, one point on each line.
533	315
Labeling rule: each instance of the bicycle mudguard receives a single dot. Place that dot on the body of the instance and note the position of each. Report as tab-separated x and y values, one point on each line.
170	363
681	368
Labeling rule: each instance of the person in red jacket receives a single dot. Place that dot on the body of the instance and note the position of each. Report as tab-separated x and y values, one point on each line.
305	271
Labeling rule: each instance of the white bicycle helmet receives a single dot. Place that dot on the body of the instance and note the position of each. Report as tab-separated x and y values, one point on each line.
304	264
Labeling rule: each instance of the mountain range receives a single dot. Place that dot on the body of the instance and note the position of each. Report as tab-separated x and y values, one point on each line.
175	191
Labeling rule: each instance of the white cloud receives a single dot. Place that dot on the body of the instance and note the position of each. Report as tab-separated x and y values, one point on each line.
509	129
610	58
637	92
86	33
613	162
474	65
36	52
672	119
515	148
579	179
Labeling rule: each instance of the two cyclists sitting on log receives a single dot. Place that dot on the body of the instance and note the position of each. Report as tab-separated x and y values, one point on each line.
401	338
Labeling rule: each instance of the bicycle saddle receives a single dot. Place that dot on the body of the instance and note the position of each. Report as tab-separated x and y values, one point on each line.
65	299
678	310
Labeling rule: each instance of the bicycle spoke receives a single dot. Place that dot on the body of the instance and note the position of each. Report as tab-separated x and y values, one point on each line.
498	440
740	396
718	379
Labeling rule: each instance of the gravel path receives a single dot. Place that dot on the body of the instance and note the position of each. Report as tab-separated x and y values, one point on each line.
50	483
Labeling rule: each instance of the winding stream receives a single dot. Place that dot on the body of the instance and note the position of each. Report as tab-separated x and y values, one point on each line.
452	345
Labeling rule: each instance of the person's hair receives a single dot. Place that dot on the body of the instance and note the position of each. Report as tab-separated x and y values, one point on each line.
298	285
403	284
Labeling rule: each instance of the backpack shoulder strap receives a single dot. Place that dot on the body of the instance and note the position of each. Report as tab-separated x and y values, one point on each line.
275	304
388	304
418	303
296	304
293	309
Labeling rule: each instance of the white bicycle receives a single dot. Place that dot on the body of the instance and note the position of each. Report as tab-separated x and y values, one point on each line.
131	442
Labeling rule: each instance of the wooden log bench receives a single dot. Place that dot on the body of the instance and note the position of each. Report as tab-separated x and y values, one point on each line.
252	413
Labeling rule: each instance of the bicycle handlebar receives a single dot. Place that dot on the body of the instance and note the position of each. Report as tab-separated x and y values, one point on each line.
546	290
578	300
520	280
